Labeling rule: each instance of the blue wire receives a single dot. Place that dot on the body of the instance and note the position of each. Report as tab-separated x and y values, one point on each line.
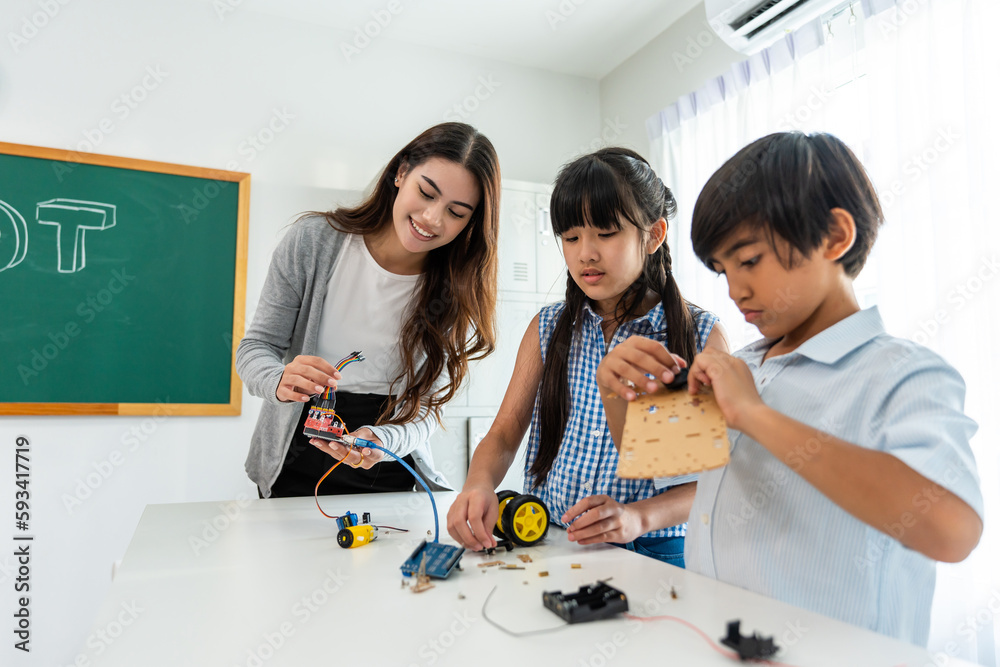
368	443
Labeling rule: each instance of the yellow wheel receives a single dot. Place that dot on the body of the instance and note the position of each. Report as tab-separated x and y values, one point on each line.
503	497
525	520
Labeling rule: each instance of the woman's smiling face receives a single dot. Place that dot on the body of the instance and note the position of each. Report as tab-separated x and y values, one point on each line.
435	202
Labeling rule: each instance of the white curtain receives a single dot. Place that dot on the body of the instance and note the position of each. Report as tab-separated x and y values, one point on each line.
912	87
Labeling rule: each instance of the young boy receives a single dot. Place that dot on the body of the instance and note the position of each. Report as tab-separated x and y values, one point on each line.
850	469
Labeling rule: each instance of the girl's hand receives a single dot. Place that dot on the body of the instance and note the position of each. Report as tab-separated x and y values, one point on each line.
597	519
304	377
364	457
626	368
731	382
472	517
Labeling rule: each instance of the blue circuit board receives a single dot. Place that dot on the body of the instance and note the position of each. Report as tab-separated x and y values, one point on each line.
439	559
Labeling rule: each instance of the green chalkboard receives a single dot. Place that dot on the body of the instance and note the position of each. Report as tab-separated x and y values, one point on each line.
122	284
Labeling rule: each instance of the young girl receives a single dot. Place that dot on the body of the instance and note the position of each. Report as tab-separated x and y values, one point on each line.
415	262
610	211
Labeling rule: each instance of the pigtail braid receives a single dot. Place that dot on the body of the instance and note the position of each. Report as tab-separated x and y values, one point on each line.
554	393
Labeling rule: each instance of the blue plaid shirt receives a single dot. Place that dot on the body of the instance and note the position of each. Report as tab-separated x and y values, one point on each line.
587	458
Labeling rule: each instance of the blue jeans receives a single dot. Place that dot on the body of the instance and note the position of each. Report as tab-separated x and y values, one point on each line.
666	549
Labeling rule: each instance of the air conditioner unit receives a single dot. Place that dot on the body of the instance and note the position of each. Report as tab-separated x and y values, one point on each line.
751	25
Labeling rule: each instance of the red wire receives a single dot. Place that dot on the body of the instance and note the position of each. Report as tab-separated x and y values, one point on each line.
728	654
316	493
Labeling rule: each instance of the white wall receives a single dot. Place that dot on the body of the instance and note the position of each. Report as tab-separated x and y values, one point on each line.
218	83
680	60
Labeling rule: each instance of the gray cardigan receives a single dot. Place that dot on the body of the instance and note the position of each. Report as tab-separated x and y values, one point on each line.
285	325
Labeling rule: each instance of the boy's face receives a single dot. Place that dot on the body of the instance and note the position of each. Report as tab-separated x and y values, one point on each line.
776	299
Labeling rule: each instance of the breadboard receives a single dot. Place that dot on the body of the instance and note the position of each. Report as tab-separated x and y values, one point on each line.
671	432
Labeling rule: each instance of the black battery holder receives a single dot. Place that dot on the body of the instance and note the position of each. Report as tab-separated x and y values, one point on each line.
591	603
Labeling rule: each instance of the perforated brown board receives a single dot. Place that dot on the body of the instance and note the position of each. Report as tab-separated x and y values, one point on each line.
670	433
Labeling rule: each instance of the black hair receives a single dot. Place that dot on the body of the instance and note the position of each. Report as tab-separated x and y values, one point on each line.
600	190
785	185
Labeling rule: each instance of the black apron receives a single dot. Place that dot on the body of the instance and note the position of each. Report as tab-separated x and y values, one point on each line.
305	464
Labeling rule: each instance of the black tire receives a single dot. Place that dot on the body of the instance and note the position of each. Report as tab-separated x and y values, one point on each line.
506	494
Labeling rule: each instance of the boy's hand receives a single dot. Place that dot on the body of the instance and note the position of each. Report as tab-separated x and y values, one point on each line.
362	457
472	517
626	368
597	519
731	382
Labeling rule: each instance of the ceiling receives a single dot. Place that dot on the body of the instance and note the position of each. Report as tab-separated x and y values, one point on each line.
577	37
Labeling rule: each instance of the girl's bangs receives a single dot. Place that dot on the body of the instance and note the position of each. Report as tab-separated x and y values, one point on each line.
587	193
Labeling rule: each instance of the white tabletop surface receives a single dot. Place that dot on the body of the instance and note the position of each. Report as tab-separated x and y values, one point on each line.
262	583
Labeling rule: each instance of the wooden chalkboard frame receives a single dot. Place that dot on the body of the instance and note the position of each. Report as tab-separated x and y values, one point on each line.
239	285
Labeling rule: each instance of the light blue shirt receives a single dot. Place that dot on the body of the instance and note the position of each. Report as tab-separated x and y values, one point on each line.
757	524
587	458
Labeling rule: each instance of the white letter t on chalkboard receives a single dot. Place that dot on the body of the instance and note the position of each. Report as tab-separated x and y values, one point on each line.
72	218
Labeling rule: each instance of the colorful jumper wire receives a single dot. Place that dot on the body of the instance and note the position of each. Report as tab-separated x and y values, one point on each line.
346	361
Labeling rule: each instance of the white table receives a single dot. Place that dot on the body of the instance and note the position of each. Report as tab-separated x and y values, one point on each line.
263	583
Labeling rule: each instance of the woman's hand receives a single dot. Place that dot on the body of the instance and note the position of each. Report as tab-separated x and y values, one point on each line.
472	517
597	519
304	377
627	367
363	457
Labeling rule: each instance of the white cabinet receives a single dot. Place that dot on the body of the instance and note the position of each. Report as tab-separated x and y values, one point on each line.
530	256
550	268
518	220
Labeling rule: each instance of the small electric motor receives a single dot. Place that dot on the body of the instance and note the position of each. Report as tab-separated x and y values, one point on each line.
352	534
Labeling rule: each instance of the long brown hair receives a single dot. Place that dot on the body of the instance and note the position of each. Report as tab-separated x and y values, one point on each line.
453	318
599	190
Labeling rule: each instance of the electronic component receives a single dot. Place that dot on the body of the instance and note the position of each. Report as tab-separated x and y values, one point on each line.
351	534
322	420
680	380
502	543
750	647
357	536
347	520
437	559
591	603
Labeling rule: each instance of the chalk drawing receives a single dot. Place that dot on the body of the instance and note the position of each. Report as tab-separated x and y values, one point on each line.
74	217
13	237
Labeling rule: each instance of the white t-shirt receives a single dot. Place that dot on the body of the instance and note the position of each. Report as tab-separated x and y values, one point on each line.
364	310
